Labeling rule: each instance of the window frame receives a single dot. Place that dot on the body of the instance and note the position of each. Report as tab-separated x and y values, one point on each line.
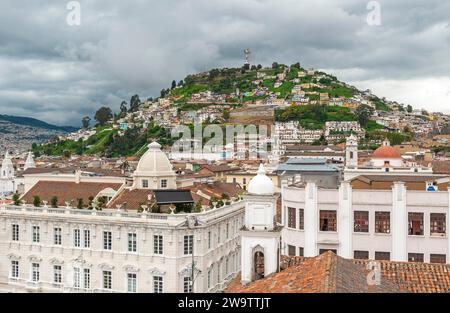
361	222
15	232
107	240
382	223
329	215
158	244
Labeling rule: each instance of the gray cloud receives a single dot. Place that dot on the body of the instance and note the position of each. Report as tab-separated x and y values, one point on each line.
57	72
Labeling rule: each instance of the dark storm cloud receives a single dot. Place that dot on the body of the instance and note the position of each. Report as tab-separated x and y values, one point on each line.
58	72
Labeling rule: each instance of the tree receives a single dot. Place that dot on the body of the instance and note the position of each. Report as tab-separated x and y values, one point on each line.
259	66
363	113
274	65
174	84
16	199
135	102
123	108
80	204
409	108
54	202
163	93
86	121
103	115
36	201
180	83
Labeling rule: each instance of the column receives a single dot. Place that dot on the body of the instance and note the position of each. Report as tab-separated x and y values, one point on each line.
311	220
345	221
399	223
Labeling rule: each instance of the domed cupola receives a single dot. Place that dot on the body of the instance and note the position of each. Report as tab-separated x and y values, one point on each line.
154	170
261	184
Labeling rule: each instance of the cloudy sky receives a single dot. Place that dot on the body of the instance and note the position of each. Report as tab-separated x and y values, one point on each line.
58	72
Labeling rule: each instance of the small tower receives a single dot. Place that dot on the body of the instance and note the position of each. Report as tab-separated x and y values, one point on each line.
29	163
247	53
351	152
7	171
260	238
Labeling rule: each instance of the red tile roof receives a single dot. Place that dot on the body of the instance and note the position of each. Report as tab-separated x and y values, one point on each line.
330	273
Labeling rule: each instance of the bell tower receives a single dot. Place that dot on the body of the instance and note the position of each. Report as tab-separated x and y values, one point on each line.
351	152
260	236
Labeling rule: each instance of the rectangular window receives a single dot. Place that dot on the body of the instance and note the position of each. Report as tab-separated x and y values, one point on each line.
107	240
437	224
132	282
76	277
415	224
35	272
36	234
158	284
300	251
438	258
362	255
144	183
218	235
382	256
87	278
291	250
328	221
87	238
107	280
188	244
382	222
209	239
132	242
227	232
415	257
57	236
163	183
15	232
361	221
301	222
15	269
292	218
158	244
77	238
187	286
57	274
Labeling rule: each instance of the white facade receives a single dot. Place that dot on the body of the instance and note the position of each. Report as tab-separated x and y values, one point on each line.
50	249
7	177
260	242
303	231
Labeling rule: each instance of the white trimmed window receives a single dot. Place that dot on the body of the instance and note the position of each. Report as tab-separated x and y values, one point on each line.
158	244
188	244
57	274
158	284
209	239
36	234
132	282
87	278
76	277
15	232
35	272
57	236
77	238
187	284
107	280
107	240
87	238
15	269
163	183
144	183
132	242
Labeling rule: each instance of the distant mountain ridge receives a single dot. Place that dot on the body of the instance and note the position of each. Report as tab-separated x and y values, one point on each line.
29	121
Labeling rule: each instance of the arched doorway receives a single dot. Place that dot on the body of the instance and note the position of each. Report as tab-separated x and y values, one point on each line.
258	263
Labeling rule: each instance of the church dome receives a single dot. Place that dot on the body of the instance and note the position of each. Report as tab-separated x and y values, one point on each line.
386	152
261	184
154	161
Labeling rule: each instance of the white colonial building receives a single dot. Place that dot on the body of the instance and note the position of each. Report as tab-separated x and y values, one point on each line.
7	176
63	249
397	223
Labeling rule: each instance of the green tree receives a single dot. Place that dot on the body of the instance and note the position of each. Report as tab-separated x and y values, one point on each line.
16	199
123	108
103	115
135	102
54	202
363	113
86	120
174	84
80	204
409	108
36	201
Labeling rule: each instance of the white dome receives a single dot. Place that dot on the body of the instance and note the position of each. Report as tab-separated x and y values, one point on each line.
154	161
261	184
